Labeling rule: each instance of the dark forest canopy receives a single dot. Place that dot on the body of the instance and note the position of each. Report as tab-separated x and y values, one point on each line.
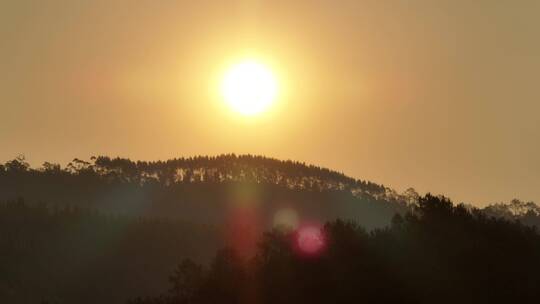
72	255
438	253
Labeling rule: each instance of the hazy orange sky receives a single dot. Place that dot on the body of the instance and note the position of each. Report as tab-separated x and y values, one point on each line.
442	96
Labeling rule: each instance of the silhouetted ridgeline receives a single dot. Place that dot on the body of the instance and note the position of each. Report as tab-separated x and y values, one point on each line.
526	212
201	189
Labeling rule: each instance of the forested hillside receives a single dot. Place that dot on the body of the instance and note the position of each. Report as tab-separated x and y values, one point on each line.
201	189
93	232
109	229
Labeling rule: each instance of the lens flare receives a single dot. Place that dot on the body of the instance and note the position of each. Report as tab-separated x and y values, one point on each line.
310	240
285	219
243	228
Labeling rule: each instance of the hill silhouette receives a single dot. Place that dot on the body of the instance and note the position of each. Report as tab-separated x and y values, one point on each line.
74	233
109	229
201	189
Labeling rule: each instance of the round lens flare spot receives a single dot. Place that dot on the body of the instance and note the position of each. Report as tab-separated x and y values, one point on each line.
310	240
285	219
249	87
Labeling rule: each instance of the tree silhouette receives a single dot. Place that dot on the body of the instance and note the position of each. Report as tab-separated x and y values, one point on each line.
436	253
112	228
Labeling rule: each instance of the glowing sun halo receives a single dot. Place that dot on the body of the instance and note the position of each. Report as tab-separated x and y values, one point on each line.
249	87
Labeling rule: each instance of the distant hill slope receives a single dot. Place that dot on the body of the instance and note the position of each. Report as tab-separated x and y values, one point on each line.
202	189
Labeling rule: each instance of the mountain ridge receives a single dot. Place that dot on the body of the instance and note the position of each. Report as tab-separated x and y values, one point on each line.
105	182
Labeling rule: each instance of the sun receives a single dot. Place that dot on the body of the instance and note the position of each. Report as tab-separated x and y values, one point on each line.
249	87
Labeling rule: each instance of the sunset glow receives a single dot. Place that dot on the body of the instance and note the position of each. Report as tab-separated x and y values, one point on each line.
306	152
